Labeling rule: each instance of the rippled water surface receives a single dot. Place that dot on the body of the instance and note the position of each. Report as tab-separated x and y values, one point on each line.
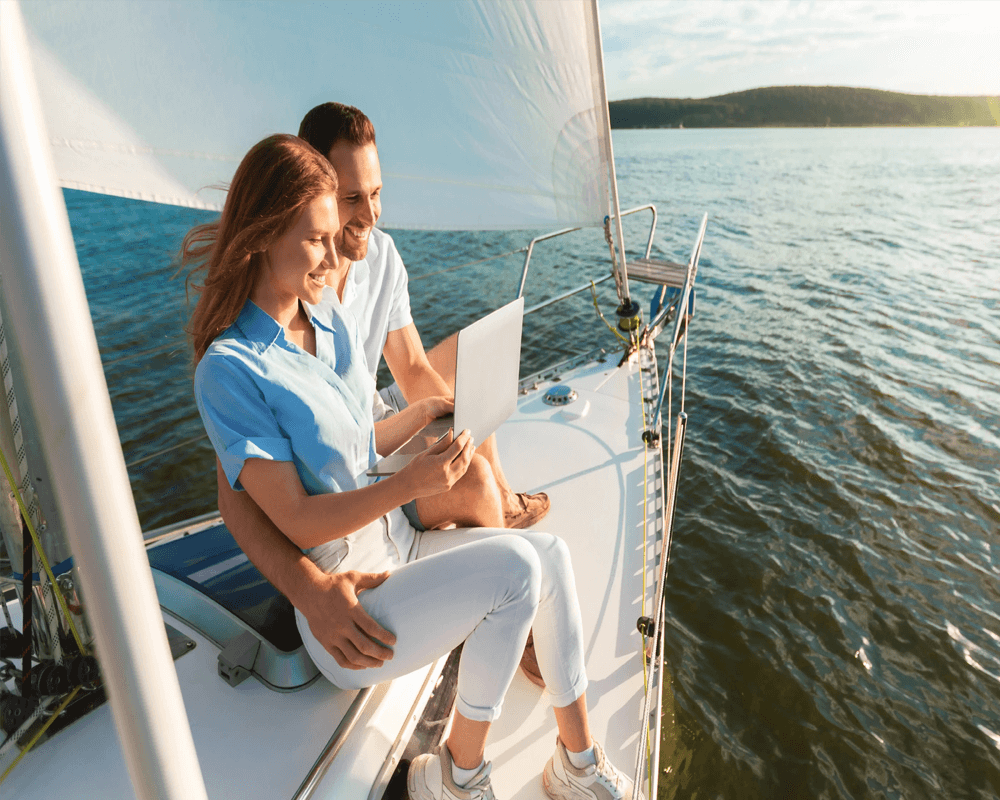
833	596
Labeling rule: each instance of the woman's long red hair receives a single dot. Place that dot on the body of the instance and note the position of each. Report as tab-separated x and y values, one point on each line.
276	179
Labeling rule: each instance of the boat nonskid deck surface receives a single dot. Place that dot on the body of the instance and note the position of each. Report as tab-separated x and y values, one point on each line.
253	741
601	480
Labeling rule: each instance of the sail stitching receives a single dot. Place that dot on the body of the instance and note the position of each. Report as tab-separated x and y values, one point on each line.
131	149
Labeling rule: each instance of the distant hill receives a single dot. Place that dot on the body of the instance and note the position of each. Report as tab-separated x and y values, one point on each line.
805	106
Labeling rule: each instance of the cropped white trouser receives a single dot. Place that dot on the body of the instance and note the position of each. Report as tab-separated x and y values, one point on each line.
482	586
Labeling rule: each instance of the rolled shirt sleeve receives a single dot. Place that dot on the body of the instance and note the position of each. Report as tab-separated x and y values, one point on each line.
236	416
261	396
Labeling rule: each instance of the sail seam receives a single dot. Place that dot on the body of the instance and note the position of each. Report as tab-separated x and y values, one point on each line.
131	149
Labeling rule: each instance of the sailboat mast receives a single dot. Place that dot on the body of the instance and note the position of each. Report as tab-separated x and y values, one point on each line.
48	311
620	269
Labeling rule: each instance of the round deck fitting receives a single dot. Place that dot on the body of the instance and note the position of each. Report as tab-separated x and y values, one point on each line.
561	395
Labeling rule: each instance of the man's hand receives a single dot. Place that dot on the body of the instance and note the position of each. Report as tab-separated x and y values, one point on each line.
342	626
434	407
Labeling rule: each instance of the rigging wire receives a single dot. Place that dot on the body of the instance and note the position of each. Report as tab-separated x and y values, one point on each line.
166	450
137	353
645	489
467	264
684	369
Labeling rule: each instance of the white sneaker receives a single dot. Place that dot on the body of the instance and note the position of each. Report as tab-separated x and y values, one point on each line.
563	781
430	778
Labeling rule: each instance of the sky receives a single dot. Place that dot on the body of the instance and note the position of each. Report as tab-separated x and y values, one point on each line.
686	48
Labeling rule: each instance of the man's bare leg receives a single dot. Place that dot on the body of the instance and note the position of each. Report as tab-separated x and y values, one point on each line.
473	502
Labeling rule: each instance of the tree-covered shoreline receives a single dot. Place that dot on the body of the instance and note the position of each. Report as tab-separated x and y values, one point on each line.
806	106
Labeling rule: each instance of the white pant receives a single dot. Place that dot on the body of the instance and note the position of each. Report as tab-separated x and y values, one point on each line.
482	586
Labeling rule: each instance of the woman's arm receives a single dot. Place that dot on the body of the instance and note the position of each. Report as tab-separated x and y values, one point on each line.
328	602
311	520
396	430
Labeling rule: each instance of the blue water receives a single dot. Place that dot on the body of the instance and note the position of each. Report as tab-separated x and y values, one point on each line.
833	596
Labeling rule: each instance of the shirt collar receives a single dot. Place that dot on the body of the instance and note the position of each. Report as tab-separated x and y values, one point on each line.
359	269
262	330
258	326
321	315
359	272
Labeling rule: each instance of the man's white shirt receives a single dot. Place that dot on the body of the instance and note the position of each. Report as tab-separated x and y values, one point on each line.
376	293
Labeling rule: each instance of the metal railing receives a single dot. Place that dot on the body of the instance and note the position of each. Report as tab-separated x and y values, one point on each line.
546	236
680	318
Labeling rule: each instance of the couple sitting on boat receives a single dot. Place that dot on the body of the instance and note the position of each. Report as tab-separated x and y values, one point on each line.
286	393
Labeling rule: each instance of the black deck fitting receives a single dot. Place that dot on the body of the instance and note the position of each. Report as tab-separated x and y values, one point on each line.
629	316
645	626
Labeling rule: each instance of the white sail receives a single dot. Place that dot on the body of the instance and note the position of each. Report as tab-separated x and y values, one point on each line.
487	114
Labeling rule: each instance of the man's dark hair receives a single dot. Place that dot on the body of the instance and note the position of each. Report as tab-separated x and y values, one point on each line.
329	123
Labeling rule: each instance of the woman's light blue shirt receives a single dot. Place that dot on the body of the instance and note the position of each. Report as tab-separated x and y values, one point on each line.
261	396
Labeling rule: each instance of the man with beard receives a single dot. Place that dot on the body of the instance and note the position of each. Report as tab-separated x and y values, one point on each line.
370	280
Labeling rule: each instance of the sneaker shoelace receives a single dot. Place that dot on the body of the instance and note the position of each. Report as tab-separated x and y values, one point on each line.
483	783
608	773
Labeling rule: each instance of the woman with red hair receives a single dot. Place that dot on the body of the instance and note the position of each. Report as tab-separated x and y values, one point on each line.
286	397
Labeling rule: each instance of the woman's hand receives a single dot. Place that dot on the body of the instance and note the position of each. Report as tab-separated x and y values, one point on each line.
439	467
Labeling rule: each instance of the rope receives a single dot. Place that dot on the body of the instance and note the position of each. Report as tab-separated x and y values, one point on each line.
645	537
597	308
40	733
31	513
15	425
51	617
467	264
41	554
27	595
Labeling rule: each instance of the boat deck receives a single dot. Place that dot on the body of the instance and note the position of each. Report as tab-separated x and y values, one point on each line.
254	742
598	475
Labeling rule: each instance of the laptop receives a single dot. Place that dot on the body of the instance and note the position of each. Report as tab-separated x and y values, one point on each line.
488	360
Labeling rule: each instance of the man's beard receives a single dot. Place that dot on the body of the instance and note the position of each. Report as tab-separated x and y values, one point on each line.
351	248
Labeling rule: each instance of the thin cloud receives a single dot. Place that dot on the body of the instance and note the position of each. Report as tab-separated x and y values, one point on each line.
685	48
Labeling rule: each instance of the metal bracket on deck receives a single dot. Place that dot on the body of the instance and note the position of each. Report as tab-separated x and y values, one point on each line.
651	438
237	660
